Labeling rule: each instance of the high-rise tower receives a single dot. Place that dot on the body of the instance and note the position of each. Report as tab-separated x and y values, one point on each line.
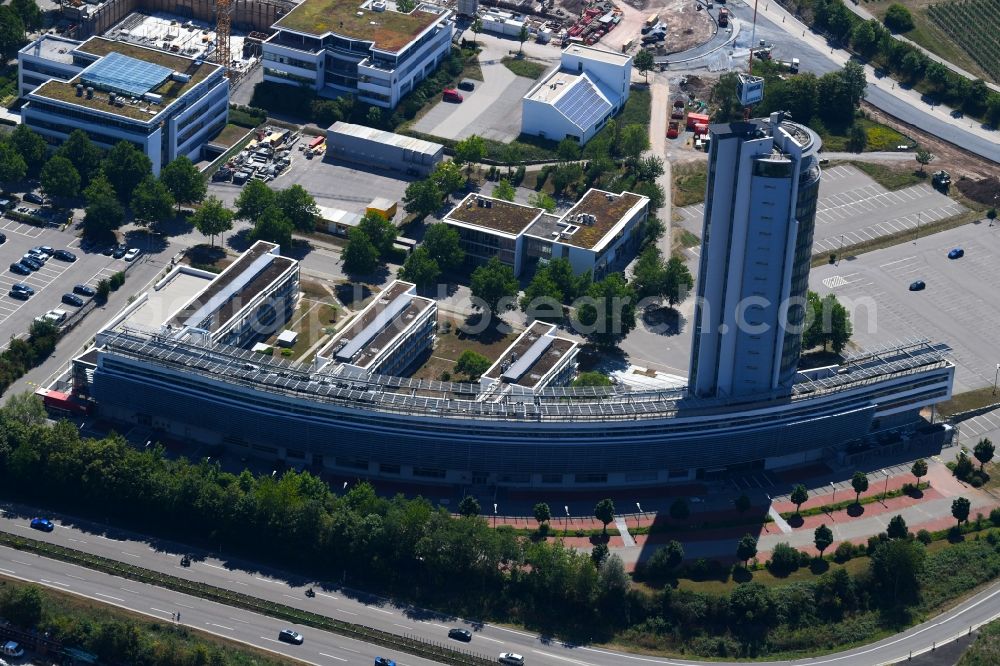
760	213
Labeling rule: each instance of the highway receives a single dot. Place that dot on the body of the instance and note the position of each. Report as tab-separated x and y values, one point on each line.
326	648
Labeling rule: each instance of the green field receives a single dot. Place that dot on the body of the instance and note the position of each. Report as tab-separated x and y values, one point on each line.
972	24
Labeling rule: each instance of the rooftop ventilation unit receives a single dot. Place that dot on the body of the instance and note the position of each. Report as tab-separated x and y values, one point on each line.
90	92
609	196
378	6
111	98
79	90
153	97
180	77
481	202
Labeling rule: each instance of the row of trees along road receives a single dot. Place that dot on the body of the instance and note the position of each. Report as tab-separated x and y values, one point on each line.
417	553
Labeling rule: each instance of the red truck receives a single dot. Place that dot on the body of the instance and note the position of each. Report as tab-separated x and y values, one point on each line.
673	129
723	17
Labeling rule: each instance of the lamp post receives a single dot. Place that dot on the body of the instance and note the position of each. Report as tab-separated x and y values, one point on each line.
494	515
997	374
885	490
566	521
639	517
834	499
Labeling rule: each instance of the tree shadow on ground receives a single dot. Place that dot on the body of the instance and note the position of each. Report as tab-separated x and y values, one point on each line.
796	521
240	241
818	565
742	575
205	254
494	330
855	510
663	320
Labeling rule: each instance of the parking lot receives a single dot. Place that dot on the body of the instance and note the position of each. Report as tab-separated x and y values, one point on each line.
959	306
853	208
53	280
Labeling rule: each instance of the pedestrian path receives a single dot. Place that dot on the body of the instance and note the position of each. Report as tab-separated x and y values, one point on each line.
778	520
622	526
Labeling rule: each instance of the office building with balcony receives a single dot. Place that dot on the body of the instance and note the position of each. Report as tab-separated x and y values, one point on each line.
367	49
600	233
539	357
760	214
165	104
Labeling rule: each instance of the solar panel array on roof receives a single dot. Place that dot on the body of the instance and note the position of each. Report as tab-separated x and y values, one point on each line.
583	104
121	74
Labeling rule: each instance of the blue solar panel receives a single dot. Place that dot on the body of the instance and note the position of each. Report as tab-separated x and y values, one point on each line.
121	74
583	104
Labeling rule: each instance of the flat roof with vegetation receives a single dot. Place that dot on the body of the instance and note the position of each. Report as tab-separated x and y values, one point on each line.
389	30
169	90
503	216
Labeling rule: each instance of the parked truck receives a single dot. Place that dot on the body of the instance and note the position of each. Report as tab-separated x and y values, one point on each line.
792	65
723	17
673	129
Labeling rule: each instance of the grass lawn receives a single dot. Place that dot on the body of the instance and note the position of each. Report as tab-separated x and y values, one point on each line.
763	576
524	67
890	177
313	320
229	135
880	137
450	345
689	184
962	402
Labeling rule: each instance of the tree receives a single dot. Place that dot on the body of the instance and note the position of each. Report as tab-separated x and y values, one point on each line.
919	469
31	146
25	408
963	467
125	166
511	156
477	27
11	33
799	496
664	560
381	231
495	286
360	255
104	213
608	314
605	512
184	181
960	507
504	190
643	62
420	268
865	38
472	364
151	201
937	74
570	284
568	150
898	18
212	218
591	378
448	177
374	115
469	507
822	538
542	512
857	138
751	610
422	197
23	606
599	554
274	227
565	175
746	549
542	298
677	281
81	151
542	200
634	140
298	206
679	509
443	242
983	451
470	151
253	200
60	179
12	165
923	157
895	568
860	484
522	37
649	275
30	13
897	528
742	503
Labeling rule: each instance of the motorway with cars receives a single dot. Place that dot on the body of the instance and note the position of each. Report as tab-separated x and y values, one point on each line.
321	647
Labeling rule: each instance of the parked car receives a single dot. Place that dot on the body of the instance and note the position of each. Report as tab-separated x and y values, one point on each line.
31	197
72	299
42	524
26	288
3	238
384	661
290	636
12	649
108	251
84	290
43	249
460	634
64	255
19	295
918	285
40	257
956	253
452	95
119	251
132	254
511	659
19	268
31	263
467	84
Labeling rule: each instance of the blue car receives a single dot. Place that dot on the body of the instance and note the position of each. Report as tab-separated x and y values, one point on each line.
42	524
384	661
957	253
19	268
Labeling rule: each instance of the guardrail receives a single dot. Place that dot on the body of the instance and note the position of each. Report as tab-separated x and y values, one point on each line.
936	644
406	643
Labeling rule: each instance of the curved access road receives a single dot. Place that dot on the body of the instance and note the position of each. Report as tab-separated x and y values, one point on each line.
345	604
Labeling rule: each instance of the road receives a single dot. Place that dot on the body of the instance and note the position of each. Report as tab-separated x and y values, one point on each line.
325	648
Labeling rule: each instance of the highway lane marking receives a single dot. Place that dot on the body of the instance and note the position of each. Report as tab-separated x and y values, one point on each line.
106	538
240	620
76	577
214	566
322	594
273	640
239	582
128	590
160	610
341	647
514	631
108	596
266	580
182	604
380	610
8	571
437	625
324	654
289	596
401	626
220	626
77	540
572	661
487	638
341	610
27	564
138	557
53	582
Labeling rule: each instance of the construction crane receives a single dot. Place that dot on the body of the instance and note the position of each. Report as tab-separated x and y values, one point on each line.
223	31
750	88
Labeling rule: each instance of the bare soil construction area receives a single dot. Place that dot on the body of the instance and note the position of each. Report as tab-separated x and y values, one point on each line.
687	26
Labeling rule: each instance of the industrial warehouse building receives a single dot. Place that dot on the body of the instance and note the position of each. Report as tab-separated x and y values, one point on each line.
599	234
381	149
577	99
165	104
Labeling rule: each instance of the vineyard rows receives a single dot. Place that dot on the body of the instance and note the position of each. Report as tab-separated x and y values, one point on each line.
974	25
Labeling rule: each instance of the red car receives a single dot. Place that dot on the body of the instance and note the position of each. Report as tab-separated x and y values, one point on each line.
452	95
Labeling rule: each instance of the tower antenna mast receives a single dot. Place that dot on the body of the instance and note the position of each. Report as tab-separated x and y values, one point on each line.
750	88
223	31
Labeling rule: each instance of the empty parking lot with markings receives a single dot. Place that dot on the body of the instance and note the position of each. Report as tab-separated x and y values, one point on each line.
959	306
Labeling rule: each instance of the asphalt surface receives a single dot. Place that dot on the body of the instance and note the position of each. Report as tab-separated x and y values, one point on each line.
324	648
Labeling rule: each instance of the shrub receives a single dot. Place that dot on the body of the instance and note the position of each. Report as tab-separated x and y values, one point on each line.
898	18
784	560
924	537
844	552
518	176
995	516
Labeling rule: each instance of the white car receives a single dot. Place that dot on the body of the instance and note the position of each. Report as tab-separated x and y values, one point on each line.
511	659
132	254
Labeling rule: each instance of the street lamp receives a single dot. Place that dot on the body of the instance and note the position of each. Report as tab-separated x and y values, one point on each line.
638	506
494	515
834	500
566	520
885	490
995	379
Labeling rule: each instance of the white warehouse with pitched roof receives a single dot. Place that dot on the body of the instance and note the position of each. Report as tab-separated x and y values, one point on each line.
577	99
